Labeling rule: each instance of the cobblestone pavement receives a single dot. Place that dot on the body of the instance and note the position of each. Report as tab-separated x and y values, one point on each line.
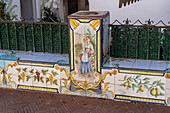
14	101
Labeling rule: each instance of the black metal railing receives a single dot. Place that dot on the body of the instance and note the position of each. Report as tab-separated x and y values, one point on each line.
144	41
34	36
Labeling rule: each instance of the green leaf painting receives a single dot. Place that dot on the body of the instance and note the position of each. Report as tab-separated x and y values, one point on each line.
140	85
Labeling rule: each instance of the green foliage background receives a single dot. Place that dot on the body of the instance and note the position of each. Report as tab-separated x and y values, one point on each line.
7	9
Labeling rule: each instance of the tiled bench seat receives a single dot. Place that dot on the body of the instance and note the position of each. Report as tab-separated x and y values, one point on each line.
34	57
139	64
130	79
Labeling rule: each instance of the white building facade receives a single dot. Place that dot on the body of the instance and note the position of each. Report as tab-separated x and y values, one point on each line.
32	8
143	10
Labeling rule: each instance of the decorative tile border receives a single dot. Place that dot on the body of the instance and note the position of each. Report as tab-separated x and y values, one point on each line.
36	64
140	99
35	88
142	73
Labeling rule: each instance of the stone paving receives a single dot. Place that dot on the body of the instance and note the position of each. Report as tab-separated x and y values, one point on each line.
16	101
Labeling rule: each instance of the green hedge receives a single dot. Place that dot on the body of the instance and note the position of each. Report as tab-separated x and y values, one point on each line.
139	42
51	38
127	42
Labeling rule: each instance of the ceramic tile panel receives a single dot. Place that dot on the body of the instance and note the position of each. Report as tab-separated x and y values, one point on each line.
25	74
2	64
24	55
122	89
148	86
60	58
108	90
86	88
80	87
93	89
167	76
140	85
109	75
78	76
39	76
90	76
34	56
40	57
96	95
53	78
53	83
142	64
122	78
46	75
13	81
167	97
85	58
65	87
86	55
144	86
158	65
8	76
156	87
64	71
9	55
123	84
111	62
8	80
126	63
27	81
84	50
2	52
12	67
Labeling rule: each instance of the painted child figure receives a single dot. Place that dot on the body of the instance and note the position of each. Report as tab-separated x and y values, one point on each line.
85	56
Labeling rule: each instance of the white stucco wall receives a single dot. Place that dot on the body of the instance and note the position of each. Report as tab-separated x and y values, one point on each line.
36	9
17	9
154	9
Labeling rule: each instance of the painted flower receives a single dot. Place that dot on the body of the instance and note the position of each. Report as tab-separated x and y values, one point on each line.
167	76
56	67
115	72
15	64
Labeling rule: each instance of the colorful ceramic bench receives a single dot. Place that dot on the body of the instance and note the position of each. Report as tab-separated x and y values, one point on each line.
87	70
